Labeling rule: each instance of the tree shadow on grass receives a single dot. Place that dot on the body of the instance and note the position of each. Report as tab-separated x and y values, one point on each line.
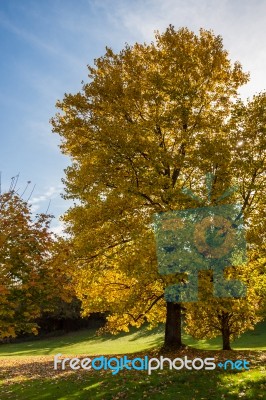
47	345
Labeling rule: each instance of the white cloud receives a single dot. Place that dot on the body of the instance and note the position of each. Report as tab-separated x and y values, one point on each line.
240	23
50	45
58	229
48	194
42	201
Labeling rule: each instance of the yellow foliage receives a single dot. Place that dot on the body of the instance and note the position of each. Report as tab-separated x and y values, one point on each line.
152	119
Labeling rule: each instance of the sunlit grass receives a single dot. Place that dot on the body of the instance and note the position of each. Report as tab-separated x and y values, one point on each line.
136	385
88	342
26	377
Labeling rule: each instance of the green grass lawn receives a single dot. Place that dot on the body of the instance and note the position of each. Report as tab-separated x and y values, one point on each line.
87	342
136	385
26	369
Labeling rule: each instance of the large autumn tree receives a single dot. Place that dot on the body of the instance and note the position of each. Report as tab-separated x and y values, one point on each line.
32	277
149	121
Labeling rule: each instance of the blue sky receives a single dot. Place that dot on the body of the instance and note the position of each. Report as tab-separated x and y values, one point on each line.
46	45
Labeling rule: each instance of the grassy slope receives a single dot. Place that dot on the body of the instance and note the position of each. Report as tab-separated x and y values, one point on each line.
24	375
87	342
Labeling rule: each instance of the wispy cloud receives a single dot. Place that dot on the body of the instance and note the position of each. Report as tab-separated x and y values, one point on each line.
48	194
38	41
241	24
46	46
38	202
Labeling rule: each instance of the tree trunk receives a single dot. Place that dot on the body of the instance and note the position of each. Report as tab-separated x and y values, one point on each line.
172	336
226	340
226	331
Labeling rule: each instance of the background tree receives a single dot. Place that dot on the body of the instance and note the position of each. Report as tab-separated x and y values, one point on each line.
229	318
248	147
248	133
151	120
31	277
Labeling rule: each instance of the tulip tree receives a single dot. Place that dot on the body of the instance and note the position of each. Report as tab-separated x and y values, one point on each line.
151	120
